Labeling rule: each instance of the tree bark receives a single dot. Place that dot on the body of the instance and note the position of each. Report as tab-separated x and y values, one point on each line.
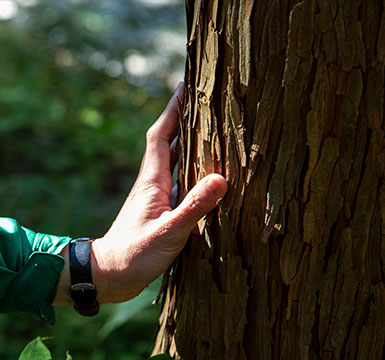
286	99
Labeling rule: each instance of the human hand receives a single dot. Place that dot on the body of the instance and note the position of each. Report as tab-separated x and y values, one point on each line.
147	235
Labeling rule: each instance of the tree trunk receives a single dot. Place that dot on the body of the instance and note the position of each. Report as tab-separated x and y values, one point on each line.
285	98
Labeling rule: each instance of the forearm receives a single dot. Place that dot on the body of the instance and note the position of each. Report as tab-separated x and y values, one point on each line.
63	293
105	276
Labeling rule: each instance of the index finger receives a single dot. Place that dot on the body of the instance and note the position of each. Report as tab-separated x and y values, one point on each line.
156	162
166	127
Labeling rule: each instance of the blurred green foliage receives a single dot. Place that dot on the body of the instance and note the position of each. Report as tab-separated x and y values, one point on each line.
80	83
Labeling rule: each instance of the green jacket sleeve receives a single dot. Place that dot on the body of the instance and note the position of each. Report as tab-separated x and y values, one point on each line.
30	267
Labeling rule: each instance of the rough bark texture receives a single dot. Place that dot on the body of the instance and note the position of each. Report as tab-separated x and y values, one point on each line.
286	99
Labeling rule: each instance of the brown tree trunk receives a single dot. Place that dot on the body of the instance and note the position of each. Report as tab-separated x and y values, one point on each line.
286	99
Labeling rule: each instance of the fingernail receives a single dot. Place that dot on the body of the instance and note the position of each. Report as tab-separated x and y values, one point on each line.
218	187
180	85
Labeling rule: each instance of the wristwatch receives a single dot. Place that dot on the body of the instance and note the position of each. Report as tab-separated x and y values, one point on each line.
82	290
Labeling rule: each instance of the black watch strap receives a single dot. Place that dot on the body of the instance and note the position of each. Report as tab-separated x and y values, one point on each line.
82	290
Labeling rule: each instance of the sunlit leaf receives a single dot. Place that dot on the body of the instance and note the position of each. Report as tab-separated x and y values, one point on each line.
35	350
161	357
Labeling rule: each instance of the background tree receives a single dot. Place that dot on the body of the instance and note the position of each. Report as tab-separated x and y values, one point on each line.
286	99
80	84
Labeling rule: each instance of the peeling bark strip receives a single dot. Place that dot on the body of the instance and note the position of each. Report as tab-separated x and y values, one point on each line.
286	99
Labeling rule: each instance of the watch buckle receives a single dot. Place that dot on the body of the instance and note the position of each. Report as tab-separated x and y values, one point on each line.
82	287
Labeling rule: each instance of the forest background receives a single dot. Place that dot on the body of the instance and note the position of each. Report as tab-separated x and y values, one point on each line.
80	83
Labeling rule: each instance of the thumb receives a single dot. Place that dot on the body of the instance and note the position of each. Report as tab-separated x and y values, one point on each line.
199	201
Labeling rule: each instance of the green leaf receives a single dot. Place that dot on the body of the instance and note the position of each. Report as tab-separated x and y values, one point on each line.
36	350
161	357
68	356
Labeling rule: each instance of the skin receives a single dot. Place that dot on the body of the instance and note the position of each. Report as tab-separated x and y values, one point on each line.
147	235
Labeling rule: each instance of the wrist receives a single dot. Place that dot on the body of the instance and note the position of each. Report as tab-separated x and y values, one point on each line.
111	273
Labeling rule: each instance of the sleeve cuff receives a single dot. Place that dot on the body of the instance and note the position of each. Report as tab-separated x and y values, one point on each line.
34	287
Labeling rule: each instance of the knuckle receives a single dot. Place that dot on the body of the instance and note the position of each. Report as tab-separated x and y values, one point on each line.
195	203
151	134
